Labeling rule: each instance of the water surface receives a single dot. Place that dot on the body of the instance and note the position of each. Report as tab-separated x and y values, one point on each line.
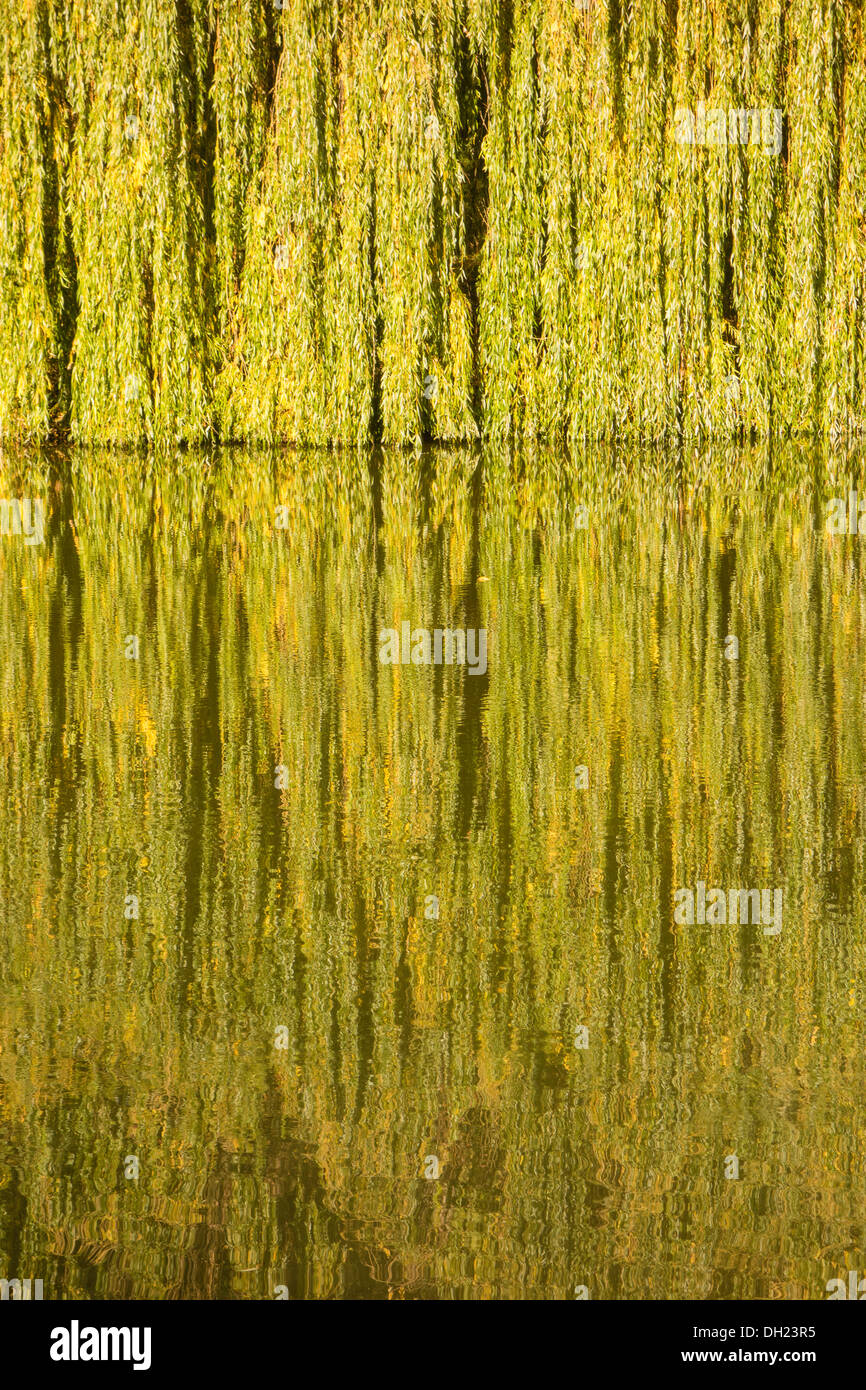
287	1033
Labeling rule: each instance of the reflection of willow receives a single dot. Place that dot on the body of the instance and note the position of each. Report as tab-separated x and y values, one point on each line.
306	907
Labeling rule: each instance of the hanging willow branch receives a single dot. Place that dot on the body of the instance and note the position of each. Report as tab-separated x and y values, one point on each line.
326	221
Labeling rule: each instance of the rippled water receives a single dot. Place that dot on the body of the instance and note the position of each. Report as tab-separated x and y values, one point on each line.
383	928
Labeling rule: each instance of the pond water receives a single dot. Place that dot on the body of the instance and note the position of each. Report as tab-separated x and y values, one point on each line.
327	975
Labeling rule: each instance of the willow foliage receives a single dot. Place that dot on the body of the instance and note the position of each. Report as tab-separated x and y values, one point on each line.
353	316
34	269
325	220
245	54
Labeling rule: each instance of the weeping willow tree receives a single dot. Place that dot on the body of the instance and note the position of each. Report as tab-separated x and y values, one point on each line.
142	218
279	380
245	55
353	315
323	221
639	283
35	263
